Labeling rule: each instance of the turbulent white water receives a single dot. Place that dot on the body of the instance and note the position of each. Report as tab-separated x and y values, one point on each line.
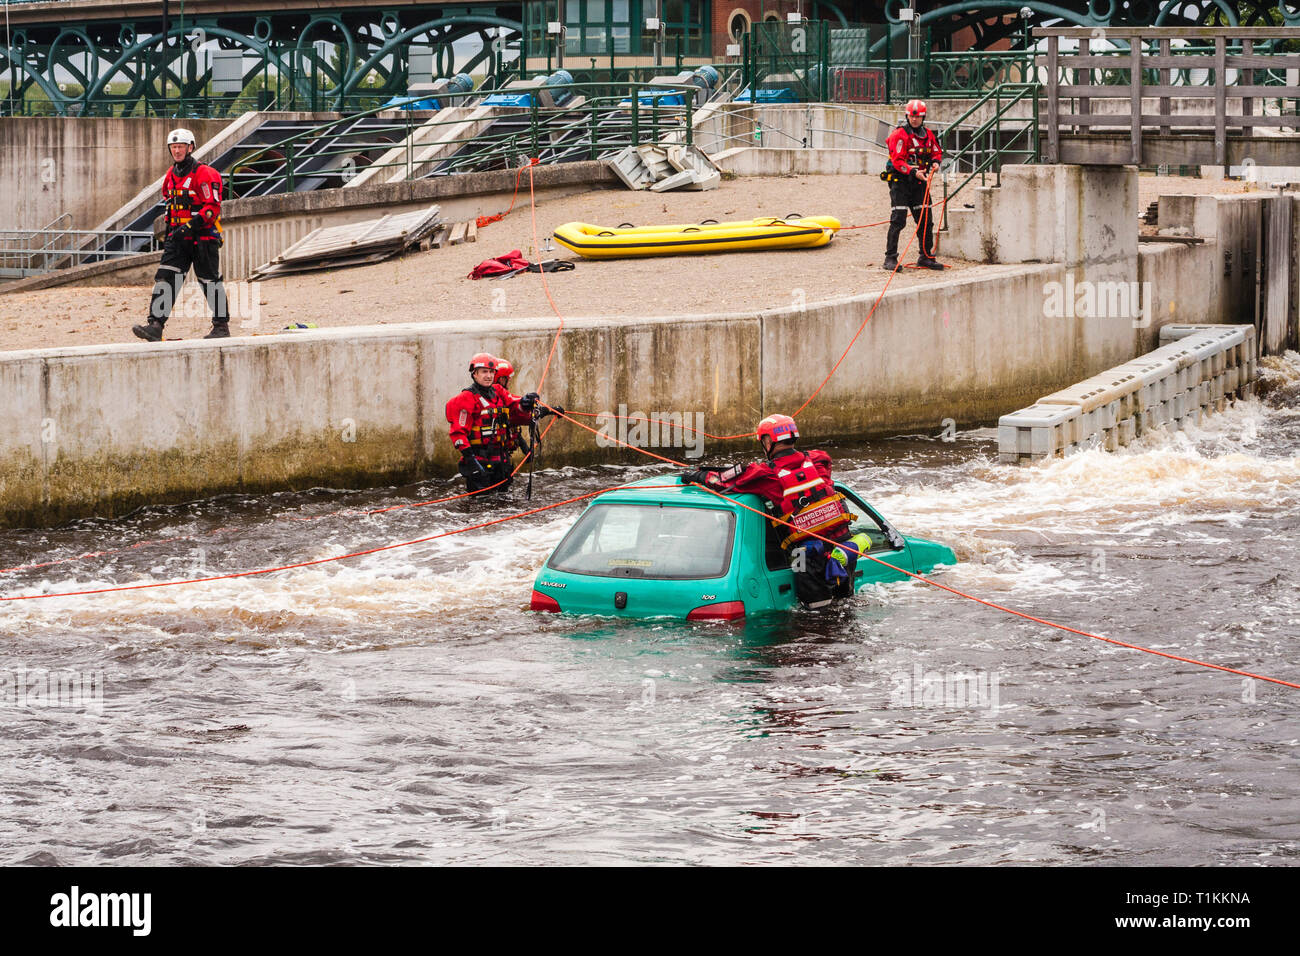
404	705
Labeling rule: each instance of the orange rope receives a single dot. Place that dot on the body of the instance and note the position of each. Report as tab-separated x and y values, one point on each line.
337	557
872	311
546	369
482	221
345	512
944	587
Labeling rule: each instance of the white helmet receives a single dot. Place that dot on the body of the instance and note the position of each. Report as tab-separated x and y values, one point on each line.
180	136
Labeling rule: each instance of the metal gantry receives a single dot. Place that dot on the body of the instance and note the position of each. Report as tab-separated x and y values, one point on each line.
221	58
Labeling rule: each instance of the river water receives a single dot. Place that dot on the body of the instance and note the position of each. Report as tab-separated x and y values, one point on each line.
405	707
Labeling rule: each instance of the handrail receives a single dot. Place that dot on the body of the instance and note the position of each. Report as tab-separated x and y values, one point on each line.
293	146
60	246
994	156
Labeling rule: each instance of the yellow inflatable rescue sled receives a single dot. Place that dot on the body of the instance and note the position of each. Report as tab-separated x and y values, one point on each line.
767	232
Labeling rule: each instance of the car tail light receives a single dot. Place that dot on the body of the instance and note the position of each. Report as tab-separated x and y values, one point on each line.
726	611
543	602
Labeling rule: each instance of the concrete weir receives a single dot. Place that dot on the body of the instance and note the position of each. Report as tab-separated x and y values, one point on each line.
103	430
1201	369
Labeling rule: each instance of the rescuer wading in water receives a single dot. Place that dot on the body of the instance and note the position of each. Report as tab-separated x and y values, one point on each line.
482	420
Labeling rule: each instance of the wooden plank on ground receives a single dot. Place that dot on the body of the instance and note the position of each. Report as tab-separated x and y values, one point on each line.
388	233
440	237
471	233
457	234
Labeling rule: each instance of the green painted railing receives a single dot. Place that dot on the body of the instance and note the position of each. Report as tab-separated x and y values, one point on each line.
1006	135
584	127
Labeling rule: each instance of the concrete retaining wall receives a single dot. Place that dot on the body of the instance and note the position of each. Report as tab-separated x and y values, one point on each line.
1241	270
353	407
750	161
87	167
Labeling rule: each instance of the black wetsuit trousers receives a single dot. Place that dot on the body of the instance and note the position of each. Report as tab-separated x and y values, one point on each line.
178	256
908	195
493	472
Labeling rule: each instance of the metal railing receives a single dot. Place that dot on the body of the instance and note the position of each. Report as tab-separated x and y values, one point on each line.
37	251
580	128
993	141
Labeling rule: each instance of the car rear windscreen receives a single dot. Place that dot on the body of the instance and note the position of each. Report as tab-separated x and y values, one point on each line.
648	541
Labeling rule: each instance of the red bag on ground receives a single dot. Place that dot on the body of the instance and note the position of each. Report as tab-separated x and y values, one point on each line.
512	262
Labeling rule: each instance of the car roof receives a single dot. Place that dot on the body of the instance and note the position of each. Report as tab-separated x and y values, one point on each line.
667	490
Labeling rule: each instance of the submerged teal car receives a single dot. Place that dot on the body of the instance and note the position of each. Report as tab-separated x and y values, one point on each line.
652	549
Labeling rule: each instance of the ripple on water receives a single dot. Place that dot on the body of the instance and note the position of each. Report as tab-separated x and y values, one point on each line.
404	707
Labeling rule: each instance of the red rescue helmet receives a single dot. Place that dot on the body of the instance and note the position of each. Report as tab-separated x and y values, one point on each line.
482	360
779	428
915	108
504	371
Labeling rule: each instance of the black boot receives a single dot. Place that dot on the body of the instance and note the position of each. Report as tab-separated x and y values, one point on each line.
890	264
929	262
220	330
153	332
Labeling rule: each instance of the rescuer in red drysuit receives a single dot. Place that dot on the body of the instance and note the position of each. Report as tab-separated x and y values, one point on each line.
192	192
515	439
914	154
797	488
480	418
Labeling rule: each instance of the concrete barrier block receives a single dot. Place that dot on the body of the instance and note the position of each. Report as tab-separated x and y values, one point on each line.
1126	430
1167	386
1151	374
1039	431
1228	383
1113	393
1177	406
1174	332
1112	412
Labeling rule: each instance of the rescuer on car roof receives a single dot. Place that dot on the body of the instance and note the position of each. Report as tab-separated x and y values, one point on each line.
192	192
914	154
480	417
797	488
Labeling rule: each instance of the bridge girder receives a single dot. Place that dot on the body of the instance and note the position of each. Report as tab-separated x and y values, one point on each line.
320	56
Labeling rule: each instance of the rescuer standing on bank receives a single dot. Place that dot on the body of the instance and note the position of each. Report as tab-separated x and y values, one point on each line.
798	490
480	419
914	154
192	192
